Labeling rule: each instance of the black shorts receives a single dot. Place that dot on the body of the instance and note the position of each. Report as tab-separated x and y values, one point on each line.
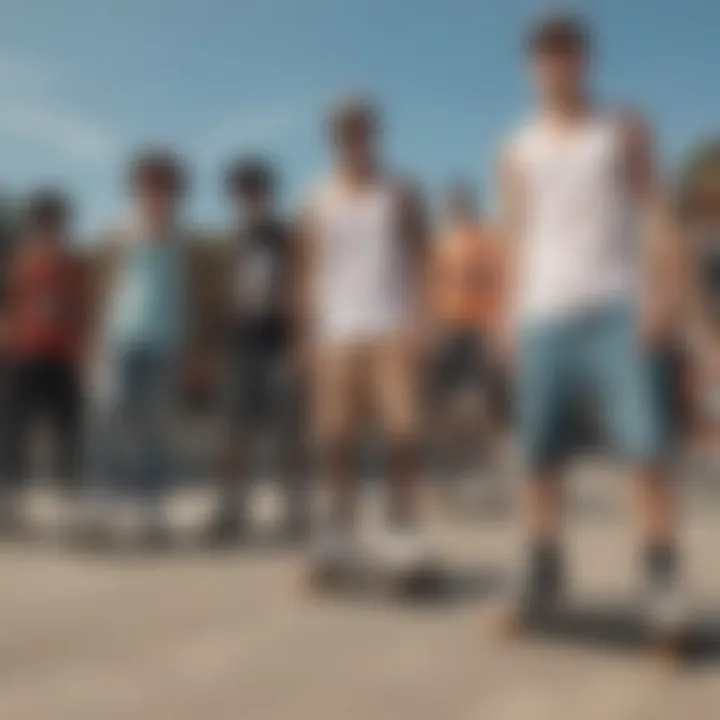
260	391
463	365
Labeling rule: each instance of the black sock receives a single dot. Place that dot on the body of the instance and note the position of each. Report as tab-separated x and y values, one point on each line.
661	563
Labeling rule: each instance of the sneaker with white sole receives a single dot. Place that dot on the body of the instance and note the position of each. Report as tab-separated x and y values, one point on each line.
402	549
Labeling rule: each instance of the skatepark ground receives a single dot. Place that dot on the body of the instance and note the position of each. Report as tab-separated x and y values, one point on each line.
193	635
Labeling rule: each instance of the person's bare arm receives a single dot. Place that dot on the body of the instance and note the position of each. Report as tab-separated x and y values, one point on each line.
302	282
665	254
415	231
433	286
512	212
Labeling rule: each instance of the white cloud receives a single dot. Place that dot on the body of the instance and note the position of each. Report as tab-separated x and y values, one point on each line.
261	126
30	112
58	129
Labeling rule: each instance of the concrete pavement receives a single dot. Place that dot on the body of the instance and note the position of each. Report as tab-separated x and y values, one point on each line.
192	636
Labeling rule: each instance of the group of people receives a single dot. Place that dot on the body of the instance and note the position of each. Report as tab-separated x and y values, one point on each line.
329	321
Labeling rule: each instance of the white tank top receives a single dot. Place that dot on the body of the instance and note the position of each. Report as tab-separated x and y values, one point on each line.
578	250
362	289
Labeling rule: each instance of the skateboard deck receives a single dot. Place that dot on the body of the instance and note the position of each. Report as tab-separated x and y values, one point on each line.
368	579
620	627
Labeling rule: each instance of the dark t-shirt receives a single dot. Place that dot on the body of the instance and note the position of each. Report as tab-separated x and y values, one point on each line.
262	281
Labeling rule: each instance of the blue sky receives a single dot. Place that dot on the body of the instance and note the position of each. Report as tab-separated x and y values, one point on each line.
84	82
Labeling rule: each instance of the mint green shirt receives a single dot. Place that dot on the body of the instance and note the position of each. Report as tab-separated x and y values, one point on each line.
150	303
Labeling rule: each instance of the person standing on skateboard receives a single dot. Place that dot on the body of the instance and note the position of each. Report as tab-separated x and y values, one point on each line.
262	393
466	289
364	256
577	183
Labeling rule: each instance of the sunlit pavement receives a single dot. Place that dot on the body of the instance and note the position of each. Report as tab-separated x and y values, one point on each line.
191	635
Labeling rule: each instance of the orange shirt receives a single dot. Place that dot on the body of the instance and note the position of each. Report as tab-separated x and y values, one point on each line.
45	303
467	278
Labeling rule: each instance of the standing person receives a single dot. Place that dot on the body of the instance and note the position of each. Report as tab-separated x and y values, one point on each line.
264	392
576	182
704	322
144	330
364	254
45	326
466	284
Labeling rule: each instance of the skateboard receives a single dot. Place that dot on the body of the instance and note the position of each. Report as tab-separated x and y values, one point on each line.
612	626
367	579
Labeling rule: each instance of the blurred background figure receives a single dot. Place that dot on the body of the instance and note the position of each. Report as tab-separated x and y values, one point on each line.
145	327
466	286
576	185
364	241
263	395
45	340
700	206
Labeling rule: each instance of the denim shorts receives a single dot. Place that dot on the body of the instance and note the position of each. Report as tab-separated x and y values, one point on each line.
594	357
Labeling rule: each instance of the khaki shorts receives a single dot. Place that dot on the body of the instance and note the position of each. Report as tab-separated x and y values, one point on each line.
376	379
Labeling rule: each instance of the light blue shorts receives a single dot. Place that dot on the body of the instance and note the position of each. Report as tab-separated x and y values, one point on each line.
596	356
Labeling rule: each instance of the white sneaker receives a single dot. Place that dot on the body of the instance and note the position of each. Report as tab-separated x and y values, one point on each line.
402	549
335	548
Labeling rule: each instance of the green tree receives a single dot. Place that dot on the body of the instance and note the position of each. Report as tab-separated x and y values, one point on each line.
699	182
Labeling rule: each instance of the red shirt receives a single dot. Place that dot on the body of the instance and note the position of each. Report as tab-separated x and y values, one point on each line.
45	304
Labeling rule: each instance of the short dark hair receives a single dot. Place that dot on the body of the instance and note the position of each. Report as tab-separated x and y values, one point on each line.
47	209
560	32
354	113
158	168
250	176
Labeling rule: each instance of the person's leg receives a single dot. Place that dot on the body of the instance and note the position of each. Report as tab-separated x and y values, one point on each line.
156	400
703	397
469	445
393	368
64	406
18	413
117	432
658	498
637	412
108	455
289	420
710	405
498	422
229	520
105	430
443	414
245	396
338	385
482	425
543	385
